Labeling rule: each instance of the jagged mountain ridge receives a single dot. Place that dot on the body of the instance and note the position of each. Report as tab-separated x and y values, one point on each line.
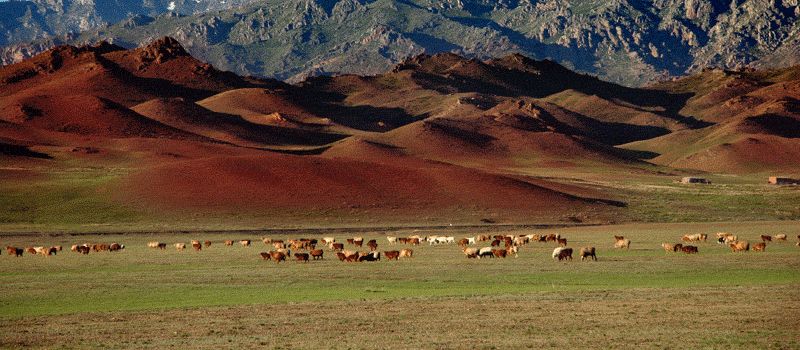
629	42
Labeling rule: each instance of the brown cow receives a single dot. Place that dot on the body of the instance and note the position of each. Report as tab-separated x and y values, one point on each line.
373	246
392	254
668	247
265	255
496	243
407	253
301	257
759	247
341	256
413	241
337	246
83	249
115	247
14	251
207	243
689	249
500	253
317	254
565	254
562	242
277	256
197	247
766	238
245	242
588	252
358	242
740	246
30	250
228	242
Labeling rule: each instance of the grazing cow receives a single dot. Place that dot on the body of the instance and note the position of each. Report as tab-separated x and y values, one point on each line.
759	247
391	239
180	246
30	250
301	257
194	241
392	254
500	253
245	242
668	247
689	249
623	243
74	247
588	252
562	253
317	253
740	246
114	247
341	256
266	240
279	245
265	255
463	242
350	241
413	241
277	257
726	238
483	238
351	257
485	252
618	238
373	256
83	249
337	246
697	237
59	248
513	250
197	247
358	241
766	238
228	242
780	237
162	246
496	243
372	244
17	252
471	240
406	253
470	252
153	245
328	240
41	250
207	243
562	242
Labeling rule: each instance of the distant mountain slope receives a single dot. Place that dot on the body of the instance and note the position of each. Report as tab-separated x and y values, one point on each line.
624	41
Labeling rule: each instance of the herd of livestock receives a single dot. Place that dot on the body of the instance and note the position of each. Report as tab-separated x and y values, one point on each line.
500	246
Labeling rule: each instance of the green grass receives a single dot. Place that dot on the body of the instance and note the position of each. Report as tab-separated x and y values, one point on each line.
64	296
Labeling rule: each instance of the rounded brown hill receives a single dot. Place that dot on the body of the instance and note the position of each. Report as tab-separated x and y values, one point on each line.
286	185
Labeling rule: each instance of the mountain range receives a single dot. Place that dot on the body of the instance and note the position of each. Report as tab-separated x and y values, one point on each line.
439	135
633	43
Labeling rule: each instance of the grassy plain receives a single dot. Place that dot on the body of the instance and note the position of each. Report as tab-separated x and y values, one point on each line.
226	296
